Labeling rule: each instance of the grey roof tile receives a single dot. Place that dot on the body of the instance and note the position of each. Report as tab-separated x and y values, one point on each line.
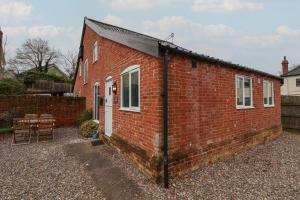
294	72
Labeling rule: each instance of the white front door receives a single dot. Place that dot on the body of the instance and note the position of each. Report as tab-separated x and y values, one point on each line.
108	106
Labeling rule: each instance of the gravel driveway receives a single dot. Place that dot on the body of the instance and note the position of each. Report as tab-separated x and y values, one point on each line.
45	171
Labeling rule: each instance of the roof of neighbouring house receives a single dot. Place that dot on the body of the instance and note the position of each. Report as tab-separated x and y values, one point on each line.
294	72
152	46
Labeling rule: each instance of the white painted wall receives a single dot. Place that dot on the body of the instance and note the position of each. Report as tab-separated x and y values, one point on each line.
289	86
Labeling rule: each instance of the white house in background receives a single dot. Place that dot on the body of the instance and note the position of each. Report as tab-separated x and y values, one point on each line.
291	79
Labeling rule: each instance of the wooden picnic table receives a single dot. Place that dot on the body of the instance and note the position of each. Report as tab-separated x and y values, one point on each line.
33	124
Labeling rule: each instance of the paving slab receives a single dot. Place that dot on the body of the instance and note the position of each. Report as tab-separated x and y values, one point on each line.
110	179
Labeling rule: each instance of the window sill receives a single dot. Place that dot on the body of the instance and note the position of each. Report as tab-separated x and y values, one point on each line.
269	106
85	83
130	110
244	107
94	61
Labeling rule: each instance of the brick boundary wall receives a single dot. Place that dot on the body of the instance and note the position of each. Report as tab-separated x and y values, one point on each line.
64	109
290	115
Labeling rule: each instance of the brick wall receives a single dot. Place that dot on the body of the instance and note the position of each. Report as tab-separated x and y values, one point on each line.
204	124
138	131
64	109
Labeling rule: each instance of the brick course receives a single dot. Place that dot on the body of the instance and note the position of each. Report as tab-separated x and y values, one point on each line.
204	124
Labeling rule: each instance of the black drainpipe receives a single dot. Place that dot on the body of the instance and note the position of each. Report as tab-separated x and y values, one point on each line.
165	118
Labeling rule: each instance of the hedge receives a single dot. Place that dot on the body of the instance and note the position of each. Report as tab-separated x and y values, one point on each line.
31	76
9	86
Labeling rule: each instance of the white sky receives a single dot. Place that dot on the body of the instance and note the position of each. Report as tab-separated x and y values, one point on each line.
253	33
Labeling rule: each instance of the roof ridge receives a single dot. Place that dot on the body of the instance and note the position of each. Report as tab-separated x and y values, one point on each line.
167	44
294	68
142	34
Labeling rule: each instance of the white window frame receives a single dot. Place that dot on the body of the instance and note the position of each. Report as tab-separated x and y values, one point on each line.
95	52
85	71
273	100
251	92
130	70
94	103
296	82
80	69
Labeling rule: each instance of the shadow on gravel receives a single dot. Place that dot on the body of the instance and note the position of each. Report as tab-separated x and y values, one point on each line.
109	179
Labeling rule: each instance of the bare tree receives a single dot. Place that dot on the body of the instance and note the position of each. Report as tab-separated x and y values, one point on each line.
15	66
70	62
4	51
35	53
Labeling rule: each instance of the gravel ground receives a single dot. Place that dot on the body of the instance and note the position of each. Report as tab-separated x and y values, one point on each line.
270	171
44	171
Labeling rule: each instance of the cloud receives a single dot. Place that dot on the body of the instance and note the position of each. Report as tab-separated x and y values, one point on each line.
48	31
225	5
258	40
129	5
221	41
287	31
114	20
194	34
195	5
14	9
15	30
133	4
183	26
62	38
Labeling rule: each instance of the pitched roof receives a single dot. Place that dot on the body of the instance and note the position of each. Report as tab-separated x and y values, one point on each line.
294	72
153	46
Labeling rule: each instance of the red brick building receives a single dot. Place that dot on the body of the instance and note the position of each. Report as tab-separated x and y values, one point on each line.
168	109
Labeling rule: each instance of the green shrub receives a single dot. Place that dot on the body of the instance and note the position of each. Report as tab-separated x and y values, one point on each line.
31	76
6	130
84	116
88	128
10	86
6	118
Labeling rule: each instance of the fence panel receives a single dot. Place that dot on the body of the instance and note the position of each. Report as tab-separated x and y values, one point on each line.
290	112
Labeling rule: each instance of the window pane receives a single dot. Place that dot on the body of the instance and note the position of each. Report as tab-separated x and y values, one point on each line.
265	93
125	90
270	93
85	71
239	92
135	89
297	82
247	92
